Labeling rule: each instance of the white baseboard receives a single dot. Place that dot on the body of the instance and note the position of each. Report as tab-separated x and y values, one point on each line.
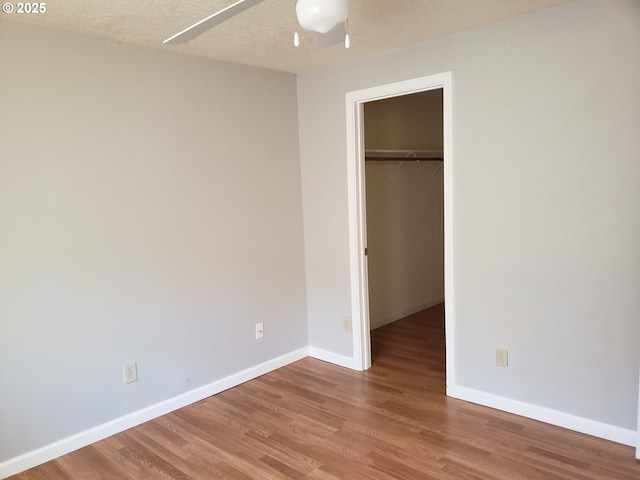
547	415
331	357
82	439
406	313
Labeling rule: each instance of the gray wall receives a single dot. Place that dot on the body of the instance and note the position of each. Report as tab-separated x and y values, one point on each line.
546	115
150	210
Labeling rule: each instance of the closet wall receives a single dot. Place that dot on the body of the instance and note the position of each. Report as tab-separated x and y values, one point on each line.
405	211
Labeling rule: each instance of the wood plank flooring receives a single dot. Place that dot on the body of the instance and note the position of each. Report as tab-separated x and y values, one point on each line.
313	420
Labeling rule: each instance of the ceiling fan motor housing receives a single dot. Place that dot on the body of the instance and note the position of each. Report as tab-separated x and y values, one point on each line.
321	15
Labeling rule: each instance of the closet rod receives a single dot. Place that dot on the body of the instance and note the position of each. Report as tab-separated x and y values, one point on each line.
382	155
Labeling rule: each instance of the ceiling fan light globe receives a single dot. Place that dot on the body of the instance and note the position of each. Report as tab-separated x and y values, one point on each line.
321	16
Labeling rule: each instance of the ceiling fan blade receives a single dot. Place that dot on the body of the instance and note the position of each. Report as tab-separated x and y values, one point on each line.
332	37
210	22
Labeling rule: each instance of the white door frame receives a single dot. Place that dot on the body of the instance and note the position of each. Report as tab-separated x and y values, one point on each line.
638	429
357	215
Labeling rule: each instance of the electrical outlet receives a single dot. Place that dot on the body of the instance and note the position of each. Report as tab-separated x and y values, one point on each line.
130	372
502	357
346	325
259	331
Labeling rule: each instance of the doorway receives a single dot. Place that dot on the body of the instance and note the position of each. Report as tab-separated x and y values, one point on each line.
357	211
404	205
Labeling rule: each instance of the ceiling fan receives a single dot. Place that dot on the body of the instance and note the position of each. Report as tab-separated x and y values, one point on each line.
328	18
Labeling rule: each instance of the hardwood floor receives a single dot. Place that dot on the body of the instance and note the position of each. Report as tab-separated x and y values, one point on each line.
313	420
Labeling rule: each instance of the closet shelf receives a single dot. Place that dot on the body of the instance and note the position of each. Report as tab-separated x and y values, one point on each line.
382	155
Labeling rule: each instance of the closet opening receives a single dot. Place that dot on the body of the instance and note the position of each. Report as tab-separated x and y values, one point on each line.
404	205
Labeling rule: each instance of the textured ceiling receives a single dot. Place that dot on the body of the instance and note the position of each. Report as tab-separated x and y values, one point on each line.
262	36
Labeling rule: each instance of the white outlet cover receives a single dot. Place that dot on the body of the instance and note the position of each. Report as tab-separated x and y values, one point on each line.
130	372
346	325
502	357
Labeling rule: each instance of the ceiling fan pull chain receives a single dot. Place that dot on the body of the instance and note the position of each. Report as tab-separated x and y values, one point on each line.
347	40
